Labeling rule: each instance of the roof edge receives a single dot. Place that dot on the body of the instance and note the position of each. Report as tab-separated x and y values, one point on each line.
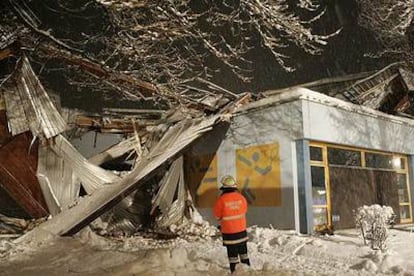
301	93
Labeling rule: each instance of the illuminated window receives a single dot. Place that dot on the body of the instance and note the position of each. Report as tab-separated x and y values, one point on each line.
338	173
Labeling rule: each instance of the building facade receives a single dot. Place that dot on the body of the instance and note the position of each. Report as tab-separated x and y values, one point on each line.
303	159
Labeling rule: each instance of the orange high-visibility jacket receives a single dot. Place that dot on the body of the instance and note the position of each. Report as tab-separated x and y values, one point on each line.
230	209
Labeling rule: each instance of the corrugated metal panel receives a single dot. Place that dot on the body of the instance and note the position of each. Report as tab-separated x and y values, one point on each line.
61	171
173	211
168	186
15	112
40	112
91	176
173	142
55	178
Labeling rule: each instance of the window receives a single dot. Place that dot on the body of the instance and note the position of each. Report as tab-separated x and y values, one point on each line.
318	185
405	213
316	154
398	163
378	172
344	157
379	161
320	196
402	189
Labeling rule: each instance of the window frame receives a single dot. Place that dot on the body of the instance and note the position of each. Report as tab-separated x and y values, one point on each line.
324	163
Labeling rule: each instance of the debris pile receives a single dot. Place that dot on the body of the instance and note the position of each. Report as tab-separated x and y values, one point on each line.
135	184
12	226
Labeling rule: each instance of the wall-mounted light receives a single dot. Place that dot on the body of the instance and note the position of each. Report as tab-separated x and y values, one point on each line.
396	162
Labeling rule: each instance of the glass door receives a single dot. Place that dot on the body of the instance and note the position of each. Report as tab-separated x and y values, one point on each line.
320	186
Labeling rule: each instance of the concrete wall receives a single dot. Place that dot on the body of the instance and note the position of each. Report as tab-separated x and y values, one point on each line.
334	125
281	124
288	124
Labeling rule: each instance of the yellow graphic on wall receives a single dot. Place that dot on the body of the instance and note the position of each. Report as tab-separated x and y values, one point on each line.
202	179
258	174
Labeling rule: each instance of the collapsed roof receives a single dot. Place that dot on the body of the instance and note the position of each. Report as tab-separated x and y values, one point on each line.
40	159
390	90
44	174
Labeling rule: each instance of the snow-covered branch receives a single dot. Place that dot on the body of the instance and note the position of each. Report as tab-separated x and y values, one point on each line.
391	21
177	39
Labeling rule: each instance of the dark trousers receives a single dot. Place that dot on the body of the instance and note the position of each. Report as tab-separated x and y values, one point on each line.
234	251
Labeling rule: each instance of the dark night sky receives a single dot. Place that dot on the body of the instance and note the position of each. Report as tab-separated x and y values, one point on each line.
343	55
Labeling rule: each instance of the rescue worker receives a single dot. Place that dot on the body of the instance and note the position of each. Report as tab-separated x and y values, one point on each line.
230	209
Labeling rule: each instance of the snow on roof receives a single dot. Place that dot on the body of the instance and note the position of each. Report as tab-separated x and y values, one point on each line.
301	93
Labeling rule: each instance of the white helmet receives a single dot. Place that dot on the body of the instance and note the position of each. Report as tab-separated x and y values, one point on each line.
228	181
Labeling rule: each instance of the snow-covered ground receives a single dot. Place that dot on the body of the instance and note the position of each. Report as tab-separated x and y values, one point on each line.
272	252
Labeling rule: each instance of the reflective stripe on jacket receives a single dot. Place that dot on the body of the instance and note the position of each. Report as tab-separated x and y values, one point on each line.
230	209
235	238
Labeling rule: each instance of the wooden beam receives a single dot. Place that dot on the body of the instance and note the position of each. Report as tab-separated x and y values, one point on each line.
113	125
134	111
232	106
